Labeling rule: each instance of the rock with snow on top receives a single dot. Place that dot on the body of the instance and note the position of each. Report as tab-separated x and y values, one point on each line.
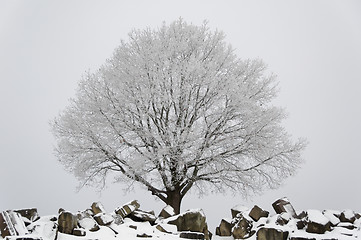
88	223
167	228
29	213
191	220
238	209
97	207
256	213
103	219
348	216
128	208
271	234
283	218
283	205
317	222
242	229
334	220
11	224
166	212
142	216
67	222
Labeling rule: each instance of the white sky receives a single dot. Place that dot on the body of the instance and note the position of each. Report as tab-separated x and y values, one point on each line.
313	46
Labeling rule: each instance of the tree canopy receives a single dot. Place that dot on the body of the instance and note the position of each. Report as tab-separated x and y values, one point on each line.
174	109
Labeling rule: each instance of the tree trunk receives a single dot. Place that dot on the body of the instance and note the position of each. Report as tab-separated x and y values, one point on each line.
174	199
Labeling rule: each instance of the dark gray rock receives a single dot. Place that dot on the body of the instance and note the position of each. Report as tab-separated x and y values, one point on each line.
271	234
283	205
257	213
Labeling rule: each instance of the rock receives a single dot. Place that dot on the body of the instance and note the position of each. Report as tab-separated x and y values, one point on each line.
348	216
31	214
283	219
166	228
79	232
238	209
256	213
12	224
346	225
242	229
97	207
283	205
192	220
224	228
192	235
67	222
88	223
271	234
334	220
166	212
142	216
317	222
128	208
103	219
300	224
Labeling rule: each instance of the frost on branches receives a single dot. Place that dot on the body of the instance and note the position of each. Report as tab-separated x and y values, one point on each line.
175	108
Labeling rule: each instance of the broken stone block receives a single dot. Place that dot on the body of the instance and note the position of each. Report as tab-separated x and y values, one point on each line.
128	208
192	235
317	222
166	212
271	234
191	220
97	207
11	224
334	220
103	219
283	219
88	223
348	216
31	214
283	205
238	209
242	229
67	222
224	228
142	216
256	213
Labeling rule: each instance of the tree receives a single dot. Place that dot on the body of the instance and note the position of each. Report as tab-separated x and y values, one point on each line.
173	109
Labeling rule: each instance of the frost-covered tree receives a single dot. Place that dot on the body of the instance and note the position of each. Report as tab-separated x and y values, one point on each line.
173	109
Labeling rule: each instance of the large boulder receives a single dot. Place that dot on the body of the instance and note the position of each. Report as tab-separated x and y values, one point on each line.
348	216
29	213
103	219
142	216
11	224
238	209
317	222
242	229
224	228
283	205
97	207
271	234
128	208
67	222
191	220
256	213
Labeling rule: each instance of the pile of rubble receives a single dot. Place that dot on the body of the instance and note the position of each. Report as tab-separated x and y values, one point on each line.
287	224
246	223
24	224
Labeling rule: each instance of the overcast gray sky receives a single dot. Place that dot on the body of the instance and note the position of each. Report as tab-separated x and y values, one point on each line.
313	46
